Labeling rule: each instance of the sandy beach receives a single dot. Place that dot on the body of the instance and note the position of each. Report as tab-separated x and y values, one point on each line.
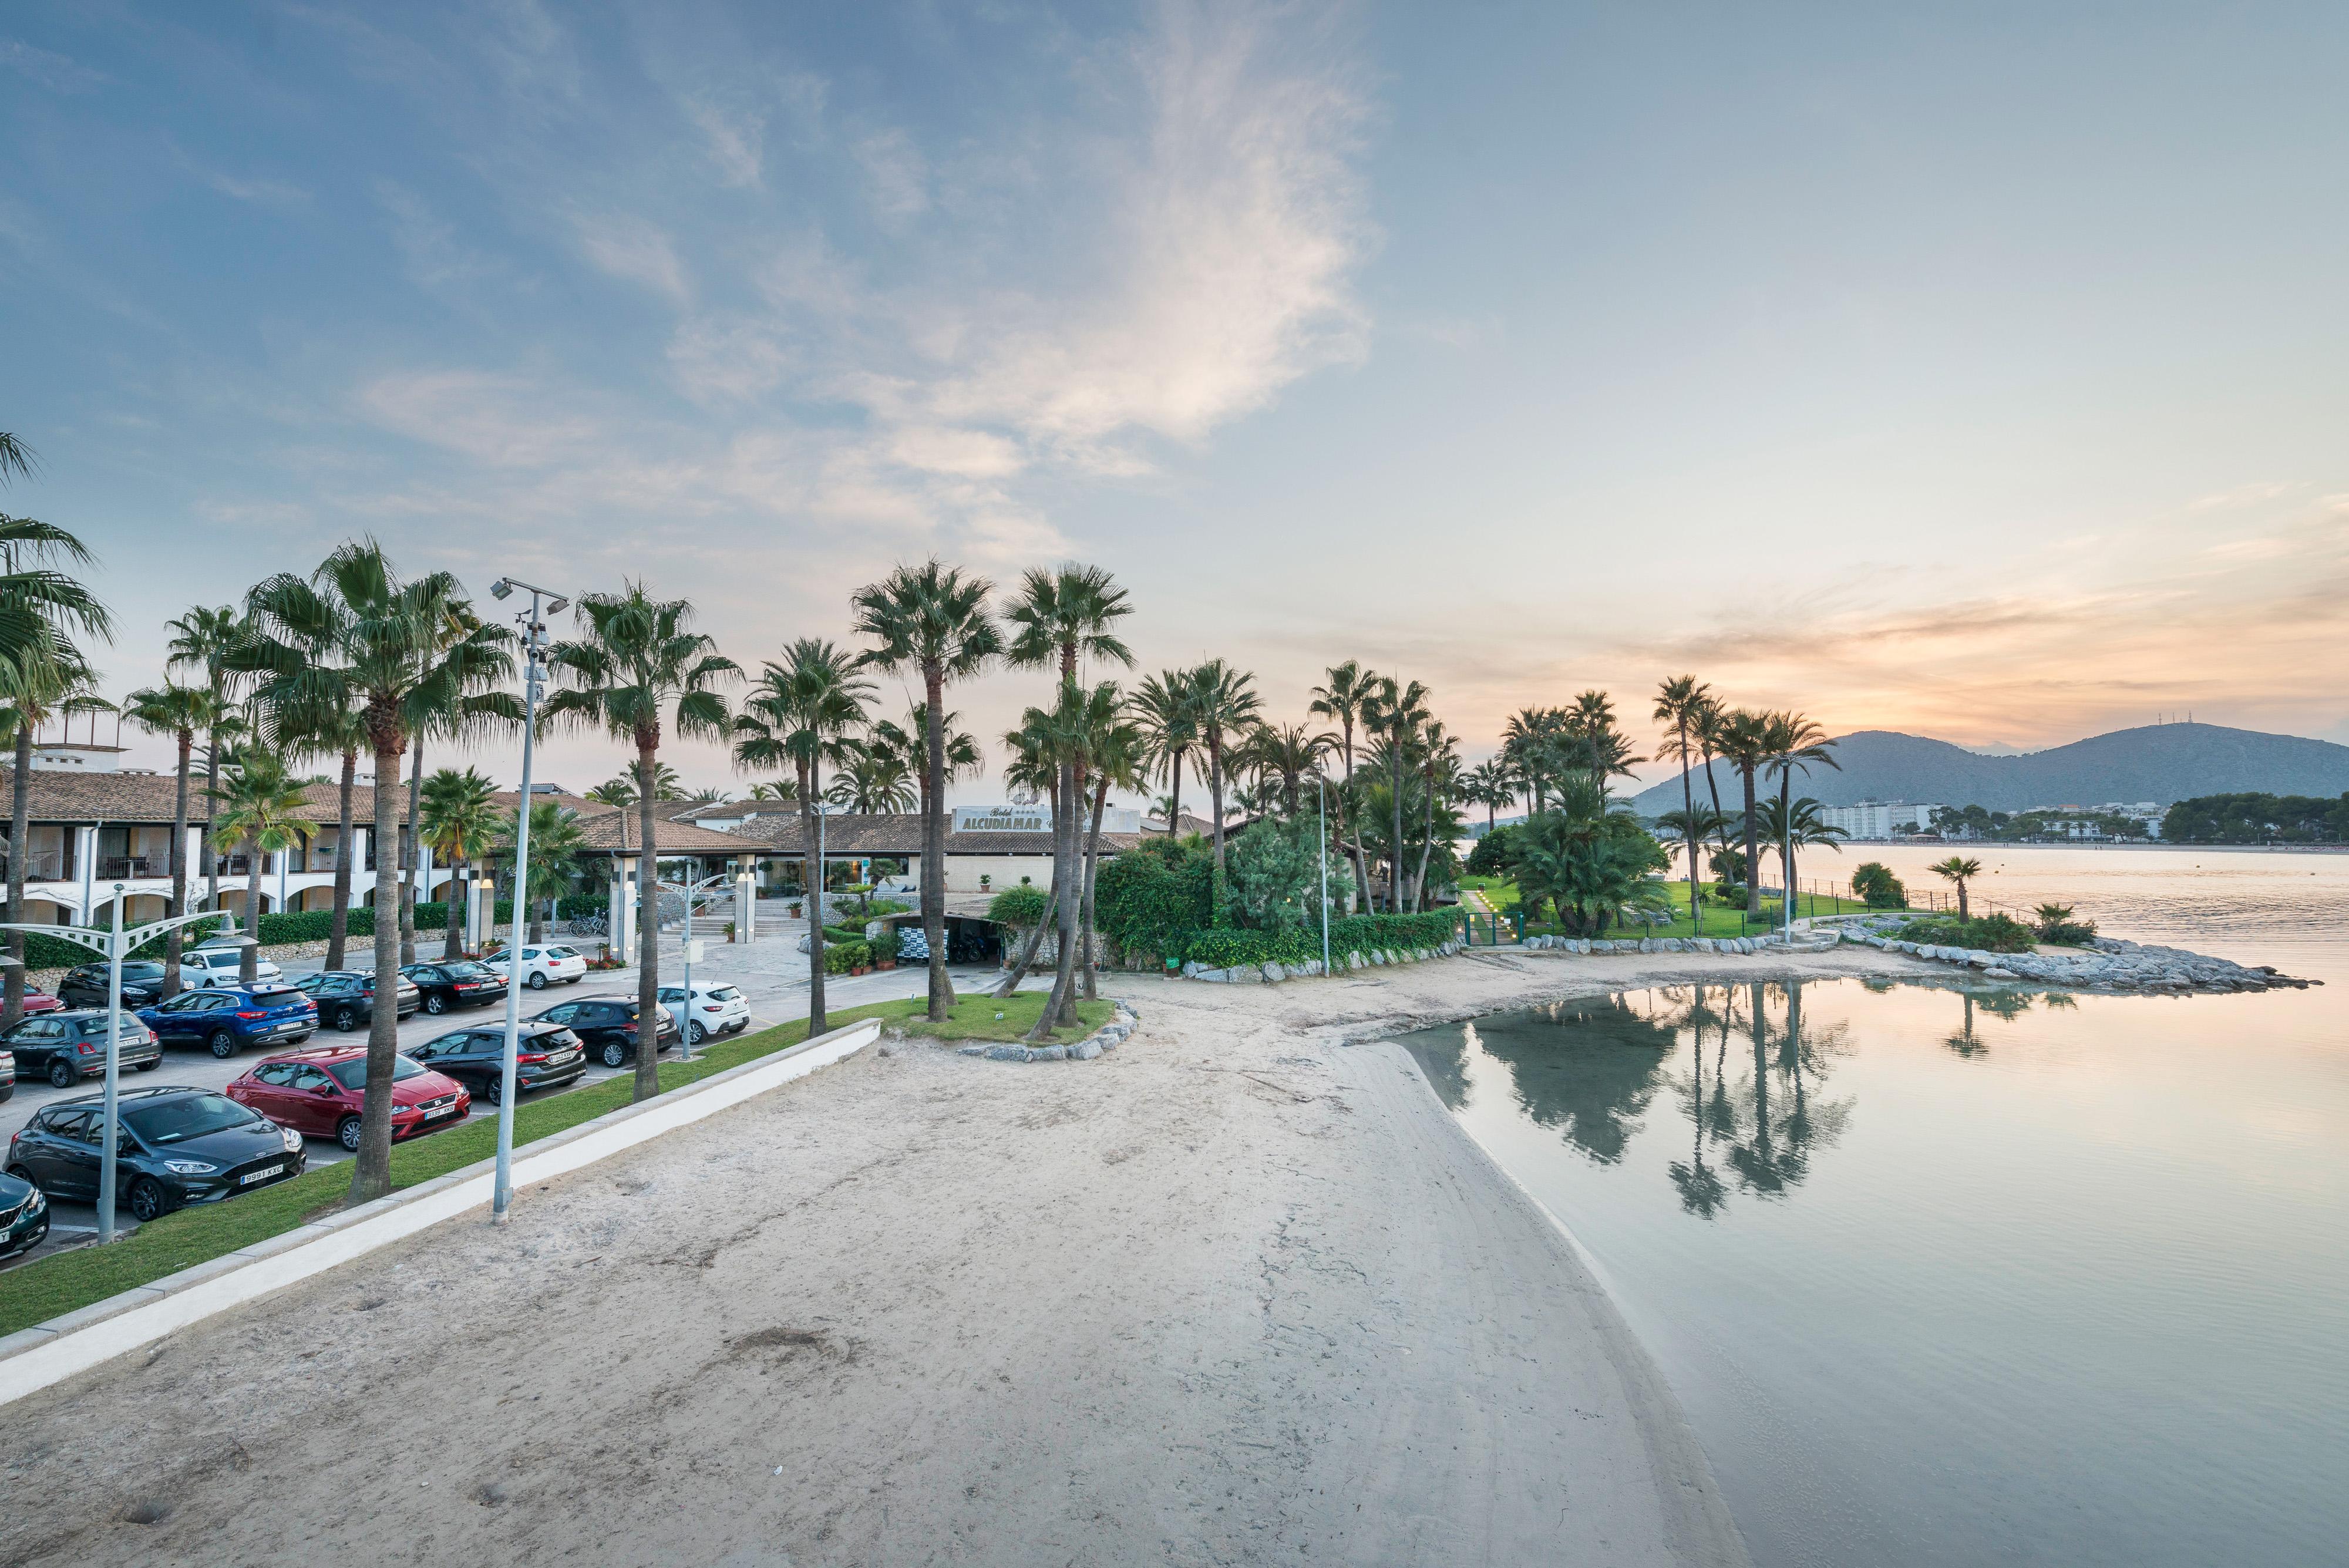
1240	1292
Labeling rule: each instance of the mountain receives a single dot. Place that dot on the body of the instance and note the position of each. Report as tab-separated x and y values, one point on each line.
2160	762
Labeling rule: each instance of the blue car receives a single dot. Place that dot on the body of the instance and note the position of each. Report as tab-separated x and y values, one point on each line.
225	1022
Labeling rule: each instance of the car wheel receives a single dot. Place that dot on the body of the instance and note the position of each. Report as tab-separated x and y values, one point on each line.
148	1066
345	1020
347	1133
222	1043
147	1199
615	1054
494	1090
7	1093
575	980
538	980
694	1033
21	1174
434	1005
61	1073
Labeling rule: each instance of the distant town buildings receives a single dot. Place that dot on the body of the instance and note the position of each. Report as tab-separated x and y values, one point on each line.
1881	819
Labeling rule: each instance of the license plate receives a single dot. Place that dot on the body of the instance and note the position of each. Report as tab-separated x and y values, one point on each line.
443	1111
248	1180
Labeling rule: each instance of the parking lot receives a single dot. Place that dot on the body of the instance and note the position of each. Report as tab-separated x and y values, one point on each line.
771	974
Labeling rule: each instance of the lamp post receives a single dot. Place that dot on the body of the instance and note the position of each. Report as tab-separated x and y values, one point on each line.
1322	797
113	943
533	643
692	895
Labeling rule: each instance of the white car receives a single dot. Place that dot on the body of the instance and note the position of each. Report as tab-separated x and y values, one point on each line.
209	968
544	966
717	1010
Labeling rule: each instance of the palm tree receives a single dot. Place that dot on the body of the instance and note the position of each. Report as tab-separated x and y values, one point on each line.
875	782
1799	825
178	711
934	619
1065	738
1226	703
1162	708
555	841
1680	709
636	666
1797	745
908	745
206	639
1490	785
1283	756
782	790
1745	740
1398	711
353	634
1960	869
1121	760
1342	694
798	714
260	805
1530	742
476	709
336	730
15	458
460	819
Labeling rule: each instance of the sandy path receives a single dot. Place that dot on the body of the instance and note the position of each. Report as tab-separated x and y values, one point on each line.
1240	1291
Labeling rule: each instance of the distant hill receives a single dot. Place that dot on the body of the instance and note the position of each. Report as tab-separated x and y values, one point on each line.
2160	762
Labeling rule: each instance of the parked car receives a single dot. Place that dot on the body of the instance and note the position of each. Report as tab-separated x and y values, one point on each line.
39	1001
178	1145
142	982
609	1028
546	1057
24	1216
717	1010
7	1075
463	983
544	966
346	997
66	1047
215	967
228	1021
320	1092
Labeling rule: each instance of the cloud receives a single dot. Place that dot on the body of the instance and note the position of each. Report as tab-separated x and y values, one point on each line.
270	193
635	251
58	73
728	358
896	177
737	142
501	422
427	245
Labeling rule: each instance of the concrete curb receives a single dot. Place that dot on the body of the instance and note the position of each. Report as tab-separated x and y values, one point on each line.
1108	1037
48	1353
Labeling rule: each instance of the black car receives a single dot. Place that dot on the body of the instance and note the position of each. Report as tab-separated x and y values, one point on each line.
346	997
463	983
24	1216
608	1028
7	1074
178	1145
142	982
65	1047
546	1057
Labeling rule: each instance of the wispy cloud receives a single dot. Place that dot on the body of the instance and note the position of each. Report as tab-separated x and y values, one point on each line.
896	175
635	251
737	142
58	73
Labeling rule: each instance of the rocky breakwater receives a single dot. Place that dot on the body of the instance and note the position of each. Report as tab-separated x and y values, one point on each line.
1587	946
2108	964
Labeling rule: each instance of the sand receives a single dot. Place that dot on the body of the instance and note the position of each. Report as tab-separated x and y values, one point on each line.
1240	1291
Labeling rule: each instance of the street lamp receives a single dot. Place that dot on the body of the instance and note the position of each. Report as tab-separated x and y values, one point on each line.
114	944
691	894
533	643
1321	795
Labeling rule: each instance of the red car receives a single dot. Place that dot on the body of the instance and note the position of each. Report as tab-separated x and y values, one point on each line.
318	1092
38	1000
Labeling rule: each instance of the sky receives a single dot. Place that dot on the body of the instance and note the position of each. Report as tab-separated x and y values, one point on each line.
1970	371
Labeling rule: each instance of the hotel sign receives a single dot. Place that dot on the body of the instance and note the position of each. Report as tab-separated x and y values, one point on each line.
1002	819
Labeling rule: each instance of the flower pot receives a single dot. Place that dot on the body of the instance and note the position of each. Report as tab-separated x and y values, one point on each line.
859	969
886	963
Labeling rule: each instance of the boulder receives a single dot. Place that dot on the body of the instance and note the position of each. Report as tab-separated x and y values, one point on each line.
1007	1053
1049	1054
1085	1050
1273	971
1994	972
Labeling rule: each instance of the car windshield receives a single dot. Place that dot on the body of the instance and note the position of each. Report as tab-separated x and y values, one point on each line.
190	1115
727	994
466	970
143	969
352	1074
565	952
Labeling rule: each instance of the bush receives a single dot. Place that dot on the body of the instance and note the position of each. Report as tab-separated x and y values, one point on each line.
1877	888
1273	875
1495	852
846	956
1024	906
1151	900
2055	924
1983	933
1224	947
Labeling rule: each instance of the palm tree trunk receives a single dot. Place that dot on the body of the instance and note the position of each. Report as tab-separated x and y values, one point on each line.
1688	836
1720	817
413	859
371	1174
1752	855
452	937
248	963
933	846
1346	828
1786	849
1061	1005
1215	790
20	834
811	873
1174	801
212	805
171	938
1394	777
1426	847
1092	865
648	930
338	933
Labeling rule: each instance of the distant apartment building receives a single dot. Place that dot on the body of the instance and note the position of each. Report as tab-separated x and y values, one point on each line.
1881	819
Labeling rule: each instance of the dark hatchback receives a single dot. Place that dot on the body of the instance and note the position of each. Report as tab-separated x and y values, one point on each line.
179	1146
346	997
24	1216
608	1028
7	1074
546	1057
227	1021
66	1047
448	986
142	982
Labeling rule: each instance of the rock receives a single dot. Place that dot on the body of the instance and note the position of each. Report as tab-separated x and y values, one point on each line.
1245	974
974	1051
1274	972
1007	1054
1049	1054
1191	970
1085	1050
1995	973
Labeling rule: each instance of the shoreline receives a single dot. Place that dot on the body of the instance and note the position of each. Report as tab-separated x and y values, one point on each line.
1242	1291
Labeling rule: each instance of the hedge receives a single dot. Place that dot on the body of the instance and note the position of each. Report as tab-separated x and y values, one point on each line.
1227	947
287	927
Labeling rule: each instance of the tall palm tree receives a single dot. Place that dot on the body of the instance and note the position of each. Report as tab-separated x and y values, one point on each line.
1284	756
1065	738
461	820
1680	709
1799	825
1530	743
1439	765
1711	716
1797	745
181	713
636	666
476	709
388	651
784	792
1491	784
908	746
875	782
261	806
1397	712
1225	702
1344	689
335	729
1121	760
1745	740
1960	869
799	715
206	639
1162	709
1033	765
934	619
555	841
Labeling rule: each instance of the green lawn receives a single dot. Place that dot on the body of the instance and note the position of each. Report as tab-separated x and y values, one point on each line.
978	1016
1719	921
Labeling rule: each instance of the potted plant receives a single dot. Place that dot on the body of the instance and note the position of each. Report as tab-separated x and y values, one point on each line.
985	883
796	906
729	930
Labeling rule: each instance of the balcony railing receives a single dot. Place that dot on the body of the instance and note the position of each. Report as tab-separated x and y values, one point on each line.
127	866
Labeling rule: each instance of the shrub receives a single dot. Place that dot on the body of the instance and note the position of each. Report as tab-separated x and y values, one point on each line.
1024	906
1877	888
1272	879
2055	924
840	960
1983	933
1495	852
1151	899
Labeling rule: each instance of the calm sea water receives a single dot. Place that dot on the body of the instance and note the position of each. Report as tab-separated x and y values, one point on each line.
1948	1277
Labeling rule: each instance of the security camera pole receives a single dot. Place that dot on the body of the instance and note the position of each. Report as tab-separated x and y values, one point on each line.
533	643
